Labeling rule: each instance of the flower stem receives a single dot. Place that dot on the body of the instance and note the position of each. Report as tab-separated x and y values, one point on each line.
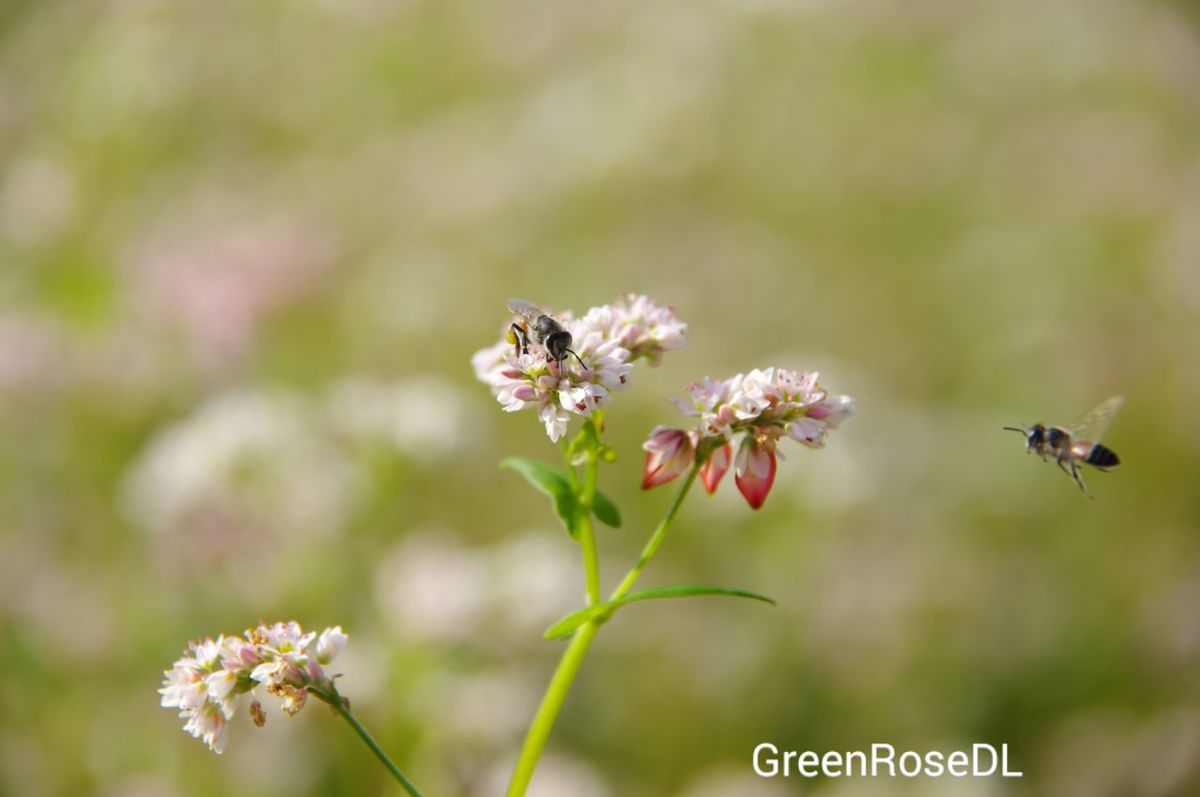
568	667
335	700
587	534
547	713
656	539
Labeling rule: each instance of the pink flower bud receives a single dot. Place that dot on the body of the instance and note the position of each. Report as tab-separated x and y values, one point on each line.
754	470
713	470
669	452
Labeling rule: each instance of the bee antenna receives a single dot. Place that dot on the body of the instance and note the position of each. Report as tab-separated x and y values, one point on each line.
1015	429
577	357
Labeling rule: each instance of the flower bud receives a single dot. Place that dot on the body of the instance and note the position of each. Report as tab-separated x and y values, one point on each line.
331	642
754	470
713	469
669	452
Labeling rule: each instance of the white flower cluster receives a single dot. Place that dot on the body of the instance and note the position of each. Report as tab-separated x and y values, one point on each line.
607	340
771	403
763	406
207	683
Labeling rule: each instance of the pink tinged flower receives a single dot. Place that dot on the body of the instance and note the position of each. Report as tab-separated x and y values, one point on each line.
239	654
754	470
586	380
832	411
184	686
206	684
808	431
331	643
713	470
669	452
210	725
287	637
220	685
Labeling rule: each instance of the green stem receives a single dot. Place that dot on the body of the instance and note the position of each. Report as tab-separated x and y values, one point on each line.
581	641
335	700
660	534
587	534
547	713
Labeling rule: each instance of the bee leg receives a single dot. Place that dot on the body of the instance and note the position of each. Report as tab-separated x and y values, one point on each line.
1075	474
521	338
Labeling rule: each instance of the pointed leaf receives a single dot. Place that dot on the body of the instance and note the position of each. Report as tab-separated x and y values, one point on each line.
602	611
687	591
606	511
553	483
567	625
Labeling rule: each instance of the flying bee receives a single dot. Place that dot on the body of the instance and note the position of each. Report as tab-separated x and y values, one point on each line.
532	322
1076	444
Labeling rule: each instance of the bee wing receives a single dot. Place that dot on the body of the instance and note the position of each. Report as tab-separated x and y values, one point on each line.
527	310
1091	426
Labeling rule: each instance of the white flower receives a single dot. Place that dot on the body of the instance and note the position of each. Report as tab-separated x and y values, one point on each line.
207	683
256	457
331	643
287	637
600	340
398	413
208	723
640	325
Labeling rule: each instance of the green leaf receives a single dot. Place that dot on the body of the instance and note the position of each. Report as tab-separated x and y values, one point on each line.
687	591
553	483
602	611
567	625
605	510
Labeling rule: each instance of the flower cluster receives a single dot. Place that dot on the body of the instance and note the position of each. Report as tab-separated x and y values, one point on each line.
207	683
607	340
763	406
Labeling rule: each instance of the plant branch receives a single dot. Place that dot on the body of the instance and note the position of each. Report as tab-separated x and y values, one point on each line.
660	534
338	705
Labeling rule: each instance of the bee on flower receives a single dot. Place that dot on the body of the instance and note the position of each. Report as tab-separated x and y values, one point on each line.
762	407
535	372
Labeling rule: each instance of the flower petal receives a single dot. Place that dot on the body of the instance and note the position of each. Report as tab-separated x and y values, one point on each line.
715	467
754	471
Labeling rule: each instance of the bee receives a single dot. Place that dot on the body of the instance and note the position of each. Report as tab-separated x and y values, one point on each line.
1078	443
531	321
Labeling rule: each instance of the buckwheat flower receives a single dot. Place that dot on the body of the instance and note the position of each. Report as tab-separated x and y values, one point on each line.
761	407
209	724
710	401
607	341
669	452
715	467
331	642
640	325
285	638
186	687
206	684
754	470
556	389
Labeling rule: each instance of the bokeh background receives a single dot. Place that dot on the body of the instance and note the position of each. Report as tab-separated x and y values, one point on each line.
248	247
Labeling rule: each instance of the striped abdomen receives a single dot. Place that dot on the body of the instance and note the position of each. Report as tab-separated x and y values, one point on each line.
1098	456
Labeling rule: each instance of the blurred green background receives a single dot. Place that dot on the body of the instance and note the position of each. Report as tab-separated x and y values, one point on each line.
248	248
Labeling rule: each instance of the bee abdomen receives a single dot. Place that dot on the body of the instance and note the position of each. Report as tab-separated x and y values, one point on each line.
1102	457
